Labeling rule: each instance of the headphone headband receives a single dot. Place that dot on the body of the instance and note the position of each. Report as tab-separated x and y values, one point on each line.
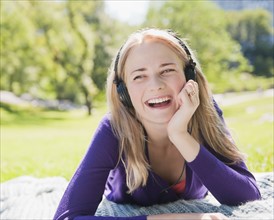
117	79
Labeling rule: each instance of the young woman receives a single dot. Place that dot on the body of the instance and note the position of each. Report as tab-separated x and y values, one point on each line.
164	139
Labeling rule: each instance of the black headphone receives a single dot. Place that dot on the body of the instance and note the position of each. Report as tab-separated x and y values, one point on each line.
190	73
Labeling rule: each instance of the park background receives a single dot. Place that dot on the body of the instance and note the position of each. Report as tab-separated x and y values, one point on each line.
55	57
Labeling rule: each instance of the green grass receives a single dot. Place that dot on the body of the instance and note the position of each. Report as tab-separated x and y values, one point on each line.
251	125
51	143
44	143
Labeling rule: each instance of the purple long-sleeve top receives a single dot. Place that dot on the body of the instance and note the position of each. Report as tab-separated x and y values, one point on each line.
99	174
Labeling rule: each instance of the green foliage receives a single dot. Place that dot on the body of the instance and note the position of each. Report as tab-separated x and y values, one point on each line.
63	49
16	48
49	49
253	30
242	82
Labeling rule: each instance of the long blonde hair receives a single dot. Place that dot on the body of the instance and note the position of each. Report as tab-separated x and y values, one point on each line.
206	125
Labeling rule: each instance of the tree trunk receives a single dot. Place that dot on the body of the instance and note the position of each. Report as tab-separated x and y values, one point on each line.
88	101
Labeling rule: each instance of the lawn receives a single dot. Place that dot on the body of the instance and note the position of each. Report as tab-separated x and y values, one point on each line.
52	143
251	125
44	143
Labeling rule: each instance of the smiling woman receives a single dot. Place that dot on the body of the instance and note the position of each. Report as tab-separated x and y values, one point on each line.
155	66
163	140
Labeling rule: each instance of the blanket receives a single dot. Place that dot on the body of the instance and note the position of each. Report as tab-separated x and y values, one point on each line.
37	198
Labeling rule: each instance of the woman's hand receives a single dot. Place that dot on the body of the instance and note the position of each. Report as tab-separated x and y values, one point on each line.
188	101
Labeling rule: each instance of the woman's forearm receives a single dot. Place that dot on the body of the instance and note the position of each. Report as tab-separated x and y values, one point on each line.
186	144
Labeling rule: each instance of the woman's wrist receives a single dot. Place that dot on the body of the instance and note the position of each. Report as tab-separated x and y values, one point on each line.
186	144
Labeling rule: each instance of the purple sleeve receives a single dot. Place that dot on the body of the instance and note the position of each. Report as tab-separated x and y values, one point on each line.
229	184
85	189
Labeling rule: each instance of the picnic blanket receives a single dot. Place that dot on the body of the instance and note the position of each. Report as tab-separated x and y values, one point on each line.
37	198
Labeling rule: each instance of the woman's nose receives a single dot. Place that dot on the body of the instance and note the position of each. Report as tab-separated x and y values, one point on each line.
156	83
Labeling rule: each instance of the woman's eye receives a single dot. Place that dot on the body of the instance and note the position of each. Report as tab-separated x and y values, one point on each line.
137	77
167	71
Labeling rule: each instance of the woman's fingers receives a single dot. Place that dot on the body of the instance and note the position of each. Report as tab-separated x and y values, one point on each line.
192	91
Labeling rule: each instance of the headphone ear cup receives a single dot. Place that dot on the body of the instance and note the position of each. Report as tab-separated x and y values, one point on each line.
190	73
123	94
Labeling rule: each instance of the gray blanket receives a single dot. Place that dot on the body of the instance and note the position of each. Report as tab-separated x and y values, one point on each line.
32	198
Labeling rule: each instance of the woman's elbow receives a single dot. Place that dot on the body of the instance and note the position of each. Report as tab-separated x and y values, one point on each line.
241	199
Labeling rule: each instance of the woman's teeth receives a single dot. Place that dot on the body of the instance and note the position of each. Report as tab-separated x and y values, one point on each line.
157	102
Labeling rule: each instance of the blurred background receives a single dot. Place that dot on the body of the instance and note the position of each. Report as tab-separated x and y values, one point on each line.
55	57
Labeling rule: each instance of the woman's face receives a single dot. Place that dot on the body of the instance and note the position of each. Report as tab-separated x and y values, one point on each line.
154	76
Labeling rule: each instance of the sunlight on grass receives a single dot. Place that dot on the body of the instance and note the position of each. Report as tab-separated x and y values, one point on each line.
45	143
51	143
251	125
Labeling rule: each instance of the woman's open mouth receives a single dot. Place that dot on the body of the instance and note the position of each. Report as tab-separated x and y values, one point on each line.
159	102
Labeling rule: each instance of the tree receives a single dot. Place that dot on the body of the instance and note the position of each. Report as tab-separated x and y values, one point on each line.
253	30
17	43
57	50
69	42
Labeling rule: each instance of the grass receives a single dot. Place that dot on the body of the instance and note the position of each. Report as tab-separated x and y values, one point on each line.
52	143
251	125
44	143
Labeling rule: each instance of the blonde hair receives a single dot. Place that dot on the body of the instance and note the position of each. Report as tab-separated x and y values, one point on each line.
206	125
